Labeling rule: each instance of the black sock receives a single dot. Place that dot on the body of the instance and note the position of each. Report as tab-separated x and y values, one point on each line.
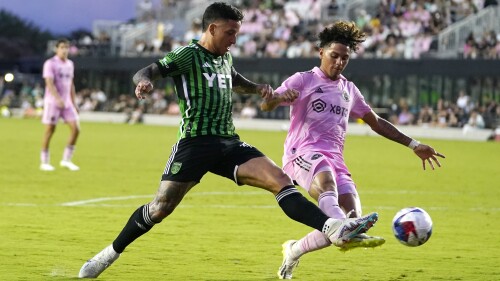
298	208
138	224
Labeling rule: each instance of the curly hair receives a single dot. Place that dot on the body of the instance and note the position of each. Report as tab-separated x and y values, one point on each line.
343	32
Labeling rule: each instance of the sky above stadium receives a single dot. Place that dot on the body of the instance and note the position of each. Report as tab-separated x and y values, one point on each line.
64	16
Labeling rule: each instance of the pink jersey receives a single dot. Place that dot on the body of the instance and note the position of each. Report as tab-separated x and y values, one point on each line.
320	115
62	74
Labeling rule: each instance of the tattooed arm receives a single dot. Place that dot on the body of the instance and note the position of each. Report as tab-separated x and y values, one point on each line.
242	85
389	131
148	73
143	80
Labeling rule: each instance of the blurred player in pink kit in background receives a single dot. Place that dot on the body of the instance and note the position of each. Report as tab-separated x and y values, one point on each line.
322	100
58	72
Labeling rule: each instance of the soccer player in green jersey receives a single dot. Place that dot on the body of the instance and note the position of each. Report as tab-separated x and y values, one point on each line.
204	79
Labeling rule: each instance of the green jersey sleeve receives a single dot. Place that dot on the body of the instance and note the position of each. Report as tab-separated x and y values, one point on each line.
176	62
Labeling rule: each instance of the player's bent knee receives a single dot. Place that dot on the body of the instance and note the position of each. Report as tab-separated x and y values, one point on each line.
159	211
279	180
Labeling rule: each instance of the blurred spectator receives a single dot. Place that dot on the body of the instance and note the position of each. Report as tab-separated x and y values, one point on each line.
492	45
194	32
249	110
405	117
173	108
99	99
476	121
470	49
463	100
426	117
391	48
87	105
37	90
121	104
159	105
137	115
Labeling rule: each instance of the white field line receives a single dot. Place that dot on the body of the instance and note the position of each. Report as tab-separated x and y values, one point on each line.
100	202
122	198
103	199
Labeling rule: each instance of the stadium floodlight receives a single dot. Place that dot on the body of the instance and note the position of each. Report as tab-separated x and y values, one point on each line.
9	77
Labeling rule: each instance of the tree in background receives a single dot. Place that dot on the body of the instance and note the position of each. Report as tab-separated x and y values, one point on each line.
21	38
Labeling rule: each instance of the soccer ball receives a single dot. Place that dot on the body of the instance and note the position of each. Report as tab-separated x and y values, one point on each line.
412	226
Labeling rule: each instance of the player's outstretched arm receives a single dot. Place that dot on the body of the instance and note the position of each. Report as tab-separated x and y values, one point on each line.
427	153
389	131
242	85
142	79
269	103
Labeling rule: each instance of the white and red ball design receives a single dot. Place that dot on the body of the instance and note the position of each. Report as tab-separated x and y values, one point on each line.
412	226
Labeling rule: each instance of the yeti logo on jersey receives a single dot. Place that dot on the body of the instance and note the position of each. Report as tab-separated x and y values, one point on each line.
223	80
316	156
318	105
176	167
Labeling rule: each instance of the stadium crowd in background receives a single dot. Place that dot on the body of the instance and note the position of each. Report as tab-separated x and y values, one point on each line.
445	113
285	29
395	29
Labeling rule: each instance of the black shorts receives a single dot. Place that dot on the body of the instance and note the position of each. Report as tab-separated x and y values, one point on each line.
192	158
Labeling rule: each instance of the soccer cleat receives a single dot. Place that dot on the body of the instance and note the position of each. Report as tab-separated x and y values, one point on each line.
69	165
289	264
47	167
349	228
96	265
362	240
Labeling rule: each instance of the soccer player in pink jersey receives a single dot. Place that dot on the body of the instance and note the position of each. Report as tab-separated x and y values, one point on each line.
58	104
322	101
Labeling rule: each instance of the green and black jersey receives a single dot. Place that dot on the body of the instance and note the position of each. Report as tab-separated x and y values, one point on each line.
203	83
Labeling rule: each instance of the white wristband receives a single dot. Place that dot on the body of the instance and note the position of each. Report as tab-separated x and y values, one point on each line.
413	144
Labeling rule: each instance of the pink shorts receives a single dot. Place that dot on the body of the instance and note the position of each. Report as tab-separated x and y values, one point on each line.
305	167
52	113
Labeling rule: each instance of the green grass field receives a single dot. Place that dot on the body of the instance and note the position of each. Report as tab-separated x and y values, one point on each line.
52	222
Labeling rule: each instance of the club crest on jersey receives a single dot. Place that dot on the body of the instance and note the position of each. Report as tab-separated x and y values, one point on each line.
345	95
316	156
176	167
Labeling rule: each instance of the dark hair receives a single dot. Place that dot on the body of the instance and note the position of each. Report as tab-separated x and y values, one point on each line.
220	10
62	41
342	32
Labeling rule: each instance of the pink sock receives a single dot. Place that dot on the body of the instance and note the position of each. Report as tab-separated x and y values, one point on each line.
329	204
317	240
68	152
313	241
45	156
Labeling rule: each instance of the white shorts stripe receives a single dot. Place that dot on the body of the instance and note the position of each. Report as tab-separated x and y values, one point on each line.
171	158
